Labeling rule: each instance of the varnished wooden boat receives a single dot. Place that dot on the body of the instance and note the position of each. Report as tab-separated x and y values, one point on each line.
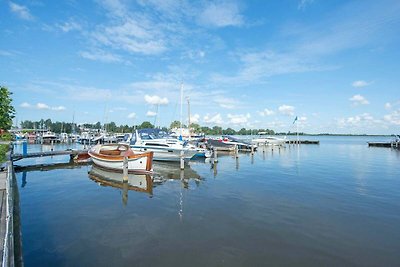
112	156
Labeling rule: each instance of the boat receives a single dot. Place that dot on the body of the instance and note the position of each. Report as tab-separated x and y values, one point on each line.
219	145
86	138
49	137
112	156
241	144
165	149
268	140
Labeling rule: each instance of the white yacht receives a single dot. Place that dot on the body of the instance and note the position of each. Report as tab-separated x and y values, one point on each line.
165	149
269	140
49	137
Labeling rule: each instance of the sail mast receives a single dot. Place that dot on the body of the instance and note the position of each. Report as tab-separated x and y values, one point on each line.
181	109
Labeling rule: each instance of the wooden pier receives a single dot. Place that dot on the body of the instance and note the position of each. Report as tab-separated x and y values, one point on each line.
393	144
304	142
71	153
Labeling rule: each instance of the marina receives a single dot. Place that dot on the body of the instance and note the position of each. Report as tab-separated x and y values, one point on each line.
200	133
274	194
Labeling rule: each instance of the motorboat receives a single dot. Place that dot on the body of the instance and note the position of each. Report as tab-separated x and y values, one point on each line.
165	149
112	157
49	137
219	145
269	140
241	144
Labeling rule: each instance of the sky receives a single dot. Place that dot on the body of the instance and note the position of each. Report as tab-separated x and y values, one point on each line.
254	64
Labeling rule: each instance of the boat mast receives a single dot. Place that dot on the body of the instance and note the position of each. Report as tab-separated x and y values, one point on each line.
181	110
188	116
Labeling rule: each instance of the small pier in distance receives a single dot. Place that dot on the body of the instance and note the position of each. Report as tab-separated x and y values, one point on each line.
304	142
384	144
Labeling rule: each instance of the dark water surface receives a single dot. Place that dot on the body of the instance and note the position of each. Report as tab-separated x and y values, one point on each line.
333	204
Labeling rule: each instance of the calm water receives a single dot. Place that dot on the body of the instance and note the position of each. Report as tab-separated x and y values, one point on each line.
333	204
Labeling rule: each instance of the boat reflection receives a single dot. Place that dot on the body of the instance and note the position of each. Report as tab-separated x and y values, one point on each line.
135	182
170	171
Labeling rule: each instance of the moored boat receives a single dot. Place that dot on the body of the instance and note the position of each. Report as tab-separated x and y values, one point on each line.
112	156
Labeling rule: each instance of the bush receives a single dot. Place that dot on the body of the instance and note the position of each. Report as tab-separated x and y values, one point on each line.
6	137
3	151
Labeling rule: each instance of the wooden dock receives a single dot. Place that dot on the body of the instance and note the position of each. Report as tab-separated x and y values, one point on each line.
304	142
71	153
384	144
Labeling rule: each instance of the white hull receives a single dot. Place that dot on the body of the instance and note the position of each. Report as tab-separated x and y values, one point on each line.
166	154
271	142
136	165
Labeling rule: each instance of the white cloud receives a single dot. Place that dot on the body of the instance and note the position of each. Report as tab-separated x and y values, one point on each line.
393	118
239	119
225	102
216	119
388	105
42	106
194	118
266	112
359	84
359	121
69	26
59	108
101	56
151	113
304	3
302	119
359	100
131	115
221	14
134	35
286	110
21	11
155	100
25	105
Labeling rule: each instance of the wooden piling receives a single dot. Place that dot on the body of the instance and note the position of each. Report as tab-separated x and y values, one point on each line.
182	160
125	170
215	155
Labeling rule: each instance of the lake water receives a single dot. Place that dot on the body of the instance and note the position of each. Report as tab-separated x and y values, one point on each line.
333	204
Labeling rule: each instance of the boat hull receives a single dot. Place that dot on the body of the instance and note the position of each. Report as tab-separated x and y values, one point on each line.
137	162
165	154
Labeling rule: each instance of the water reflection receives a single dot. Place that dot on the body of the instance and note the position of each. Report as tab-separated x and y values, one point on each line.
135	182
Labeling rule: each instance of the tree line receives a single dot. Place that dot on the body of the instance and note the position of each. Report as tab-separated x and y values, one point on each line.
67	127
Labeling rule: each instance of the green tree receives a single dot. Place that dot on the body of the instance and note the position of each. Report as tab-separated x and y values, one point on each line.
229	131
7	111
216	130
195	128
175	124
145	124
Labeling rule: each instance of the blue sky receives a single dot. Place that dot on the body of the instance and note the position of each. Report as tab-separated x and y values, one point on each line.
254	64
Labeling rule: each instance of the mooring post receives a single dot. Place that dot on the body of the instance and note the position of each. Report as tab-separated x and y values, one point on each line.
52	145
84	144
125	170
236	151
252	149
25	148
182	160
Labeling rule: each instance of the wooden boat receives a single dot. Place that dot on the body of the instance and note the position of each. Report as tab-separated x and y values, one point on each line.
112	156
